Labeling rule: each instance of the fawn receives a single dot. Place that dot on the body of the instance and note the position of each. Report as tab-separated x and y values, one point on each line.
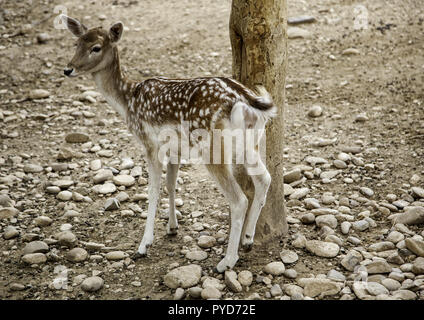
158	103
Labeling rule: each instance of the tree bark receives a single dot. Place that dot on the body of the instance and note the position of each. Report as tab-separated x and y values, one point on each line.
258	33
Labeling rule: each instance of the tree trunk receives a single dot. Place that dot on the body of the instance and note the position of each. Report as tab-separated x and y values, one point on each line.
258	32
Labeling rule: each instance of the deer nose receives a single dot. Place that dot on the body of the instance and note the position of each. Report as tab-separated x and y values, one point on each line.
68	71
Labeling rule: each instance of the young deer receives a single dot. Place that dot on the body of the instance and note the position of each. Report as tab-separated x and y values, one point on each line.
158	103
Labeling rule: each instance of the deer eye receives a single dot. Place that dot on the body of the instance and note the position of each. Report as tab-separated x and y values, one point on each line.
96	49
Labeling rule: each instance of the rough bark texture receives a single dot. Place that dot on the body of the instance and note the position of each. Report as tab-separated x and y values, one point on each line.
258	32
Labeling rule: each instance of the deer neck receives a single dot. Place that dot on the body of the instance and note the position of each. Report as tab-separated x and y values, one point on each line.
114	86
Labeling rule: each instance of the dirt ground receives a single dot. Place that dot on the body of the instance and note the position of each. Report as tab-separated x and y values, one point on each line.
188	38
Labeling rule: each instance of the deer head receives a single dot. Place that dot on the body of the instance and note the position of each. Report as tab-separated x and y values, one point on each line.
94	47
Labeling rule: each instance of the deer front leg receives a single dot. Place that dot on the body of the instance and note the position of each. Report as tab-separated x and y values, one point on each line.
155	170
171	178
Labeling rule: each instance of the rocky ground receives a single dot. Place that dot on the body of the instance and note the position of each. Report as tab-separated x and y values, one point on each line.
73	181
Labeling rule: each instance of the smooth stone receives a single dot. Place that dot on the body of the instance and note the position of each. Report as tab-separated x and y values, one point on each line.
412	216
184	277
43	221
107	188
276	290
314	287
36	247
391	284
275	268
206	242
335	275
10	232
103	175
418	266
292	176
360	225
307	218
296	32
395	237
301	19
197	255
351	259
375	288
92	284
288	256
366	191
112	204
34	258
326	220
77	255
211	293
64	195
38	94
116	255
245	278
416	246
96	165
179	294
32	168
124	180
404	295
381	246
290	273
231	281
311	203
418	192
345	227
315	111
322	249
299	193
377	267
67	238
77	137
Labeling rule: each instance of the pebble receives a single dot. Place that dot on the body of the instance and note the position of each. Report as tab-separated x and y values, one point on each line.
418	192
116	255
32	168
95	164
112	204
418	266
288	256
275	268
231	281
124	180
77	137
366	191
377	267
360	225
10	232
245	278
36	247
67	238
195	292
92	284
290	273
345	227
375	288
350	51
77	255
326	220
34	258
416	246
351	259
210	293
395	236
315	111
391	284
412	216
102	176
307	218
206	242
184	277
43	221
314	287
335	275
296	32
107	188
299	193
38	94
322	249
64	195
197	255
179	294
276	290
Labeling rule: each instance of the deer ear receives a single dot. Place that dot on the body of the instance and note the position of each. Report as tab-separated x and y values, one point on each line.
76	27
115	31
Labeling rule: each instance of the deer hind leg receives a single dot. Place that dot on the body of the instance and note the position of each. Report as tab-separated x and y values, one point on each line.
155	171
238	206
171	178
261	180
